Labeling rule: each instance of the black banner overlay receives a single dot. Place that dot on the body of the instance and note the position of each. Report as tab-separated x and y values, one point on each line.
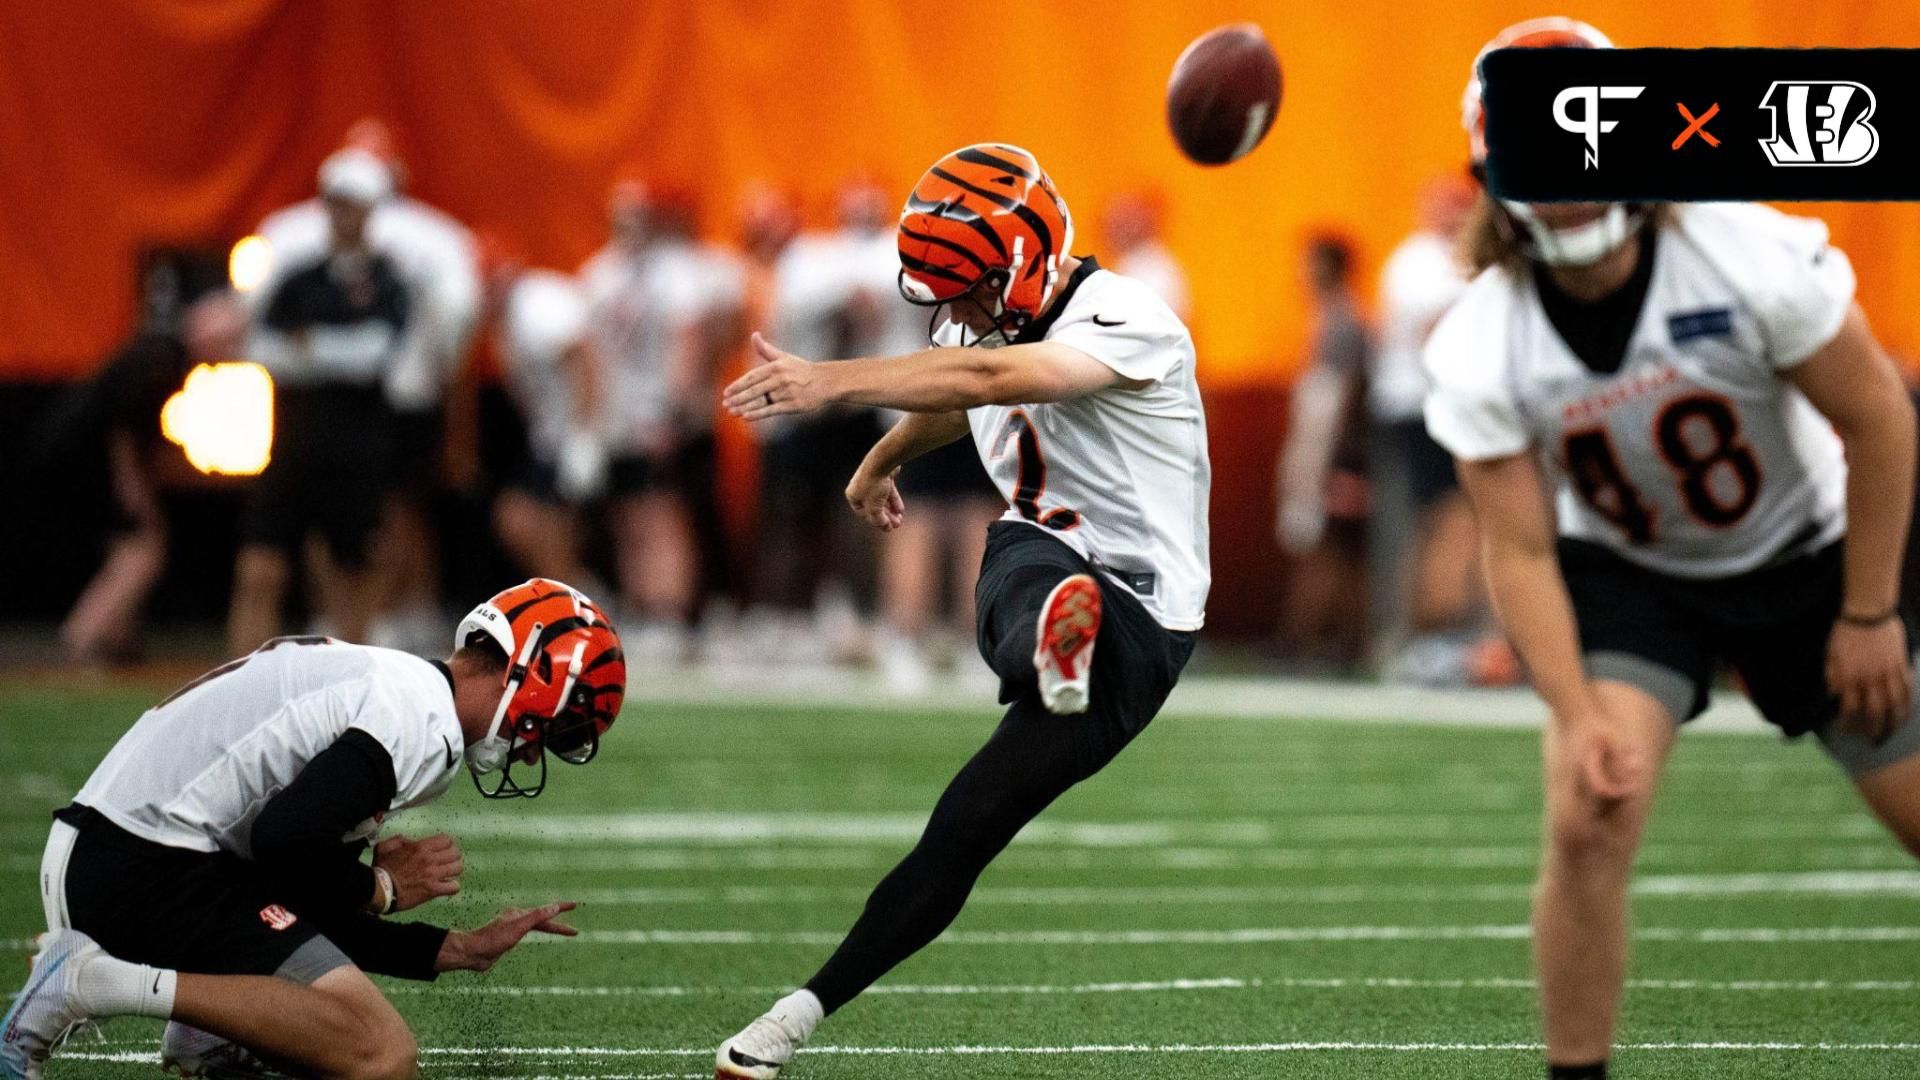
1617	125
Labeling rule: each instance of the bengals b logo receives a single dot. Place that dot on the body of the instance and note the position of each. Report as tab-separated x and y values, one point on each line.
1825	123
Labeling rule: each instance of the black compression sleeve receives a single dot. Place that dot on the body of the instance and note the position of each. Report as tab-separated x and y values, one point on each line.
297	837
405	950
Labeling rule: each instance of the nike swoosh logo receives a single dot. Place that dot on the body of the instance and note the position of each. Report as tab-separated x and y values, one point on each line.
1098	321
450	755
746	1061
156	982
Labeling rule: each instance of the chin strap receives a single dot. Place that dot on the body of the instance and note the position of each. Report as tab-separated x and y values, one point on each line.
492	751
1582	245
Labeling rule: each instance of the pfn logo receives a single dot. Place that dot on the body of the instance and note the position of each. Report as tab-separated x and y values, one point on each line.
1589	125
1826	124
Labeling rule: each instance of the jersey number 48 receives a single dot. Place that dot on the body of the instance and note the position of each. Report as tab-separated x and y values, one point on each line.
1699	439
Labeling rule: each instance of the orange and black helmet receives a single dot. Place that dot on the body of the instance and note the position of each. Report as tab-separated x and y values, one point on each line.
987	212
564	681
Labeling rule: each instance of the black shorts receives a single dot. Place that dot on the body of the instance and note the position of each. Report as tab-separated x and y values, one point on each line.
419	436
1669	636
1429	468
332	466
951	472
681	471
169	907
1136	661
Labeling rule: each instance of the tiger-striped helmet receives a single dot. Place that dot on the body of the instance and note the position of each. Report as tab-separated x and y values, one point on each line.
563	685
986	212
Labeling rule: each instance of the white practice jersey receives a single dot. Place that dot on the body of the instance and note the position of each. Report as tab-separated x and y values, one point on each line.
545	317
196	770
644	312
1421	279
1120	475
1696	458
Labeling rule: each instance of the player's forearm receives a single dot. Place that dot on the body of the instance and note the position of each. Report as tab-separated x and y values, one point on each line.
1531	601
404	950
931	381
1880	480
915	434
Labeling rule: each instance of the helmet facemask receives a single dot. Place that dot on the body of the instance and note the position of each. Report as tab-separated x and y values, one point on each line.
1577	245
571	732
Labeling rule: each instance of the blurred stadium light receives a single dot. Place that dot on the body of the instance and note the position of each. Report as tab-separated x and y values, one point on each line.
223	418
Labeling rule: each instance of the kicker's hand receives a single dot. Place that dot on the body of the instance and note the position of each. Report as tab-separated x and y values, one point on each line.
478	950
422	869
1612	768
1869	670
877	500
780	384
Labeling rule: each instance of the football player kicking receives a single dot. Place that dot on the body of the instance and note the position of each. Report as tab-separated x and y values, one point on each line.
1737	463
201	873
1077	385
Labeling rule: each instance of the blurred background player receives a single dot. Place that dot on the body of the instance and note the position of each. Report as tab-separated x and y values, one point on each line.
1103	545
1322	477
330	330
107	440
553	371
1733	472
659	306
1131	229
815	569
438	261
1421	542
242	804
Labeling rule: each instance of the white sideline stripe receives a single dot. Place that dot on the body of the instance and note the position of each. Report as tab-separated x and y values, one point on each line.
1209	696
1690	886
1901	986
1759	935
562	1053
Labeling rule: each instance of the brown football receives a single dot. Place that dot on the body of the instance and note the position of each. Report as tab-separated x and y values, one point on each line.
1224	93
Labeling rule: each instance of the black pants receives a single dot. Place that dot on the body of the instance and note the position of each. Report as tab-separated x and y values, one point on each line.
1032	758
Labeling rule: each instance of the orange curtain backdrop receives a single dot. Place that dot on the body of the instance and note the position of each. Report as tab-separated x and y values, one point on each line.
145	121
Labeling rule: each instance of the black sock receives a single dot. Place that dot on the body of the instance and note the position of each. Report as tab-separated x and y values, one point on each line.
1595	1071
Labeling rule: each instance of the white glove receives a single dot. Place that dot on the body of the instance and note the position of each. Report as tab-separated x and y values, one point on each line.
582	470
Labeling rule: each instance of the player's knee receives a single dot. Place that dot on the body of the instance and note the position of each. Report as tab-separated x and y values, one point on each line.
391	1054
1591	838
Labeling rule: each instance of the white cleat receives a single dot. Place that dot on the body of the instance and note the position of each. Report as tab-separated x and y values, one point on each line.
759	1052
47	1009
188	1051
1063	653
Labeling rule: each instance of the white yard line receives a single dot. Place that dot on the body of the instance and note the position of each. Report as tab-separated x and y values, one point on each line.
1763	935
451	1055
761	830
1902	883
1175	986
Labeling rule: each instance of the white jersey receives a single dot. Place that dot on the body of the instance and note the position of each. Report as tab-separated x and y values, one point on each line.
545	317
1696	458
1421	279
1120	475
196	770
645	311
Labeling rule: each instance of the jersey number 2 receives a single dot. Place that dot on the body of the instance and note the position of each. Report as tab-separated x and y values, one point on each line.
1595	469
1031	475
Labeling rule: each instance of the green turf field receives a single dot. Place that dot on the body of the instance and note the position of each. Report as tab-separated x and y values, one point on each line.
1343	900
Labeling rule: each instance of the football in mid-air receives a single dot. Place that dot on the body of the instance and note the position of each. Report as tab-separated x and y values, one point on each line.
1224	93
